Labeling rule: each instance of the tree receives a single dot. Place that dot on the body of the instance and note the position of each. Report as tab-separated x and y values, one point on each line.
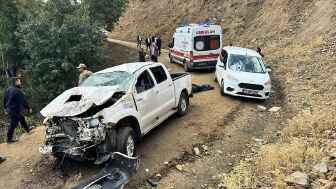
8	40
55	41
106	12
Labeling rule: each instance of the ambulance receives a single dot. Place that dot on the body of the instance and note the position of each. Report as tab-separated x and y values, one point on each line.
196	46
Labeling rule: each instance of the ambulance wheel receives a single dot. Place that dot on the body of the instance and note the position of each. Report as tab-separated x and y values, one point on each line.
171	60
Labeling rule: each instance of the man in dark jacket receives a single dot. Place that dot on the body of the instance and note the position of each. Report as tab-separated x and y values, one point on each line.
15	103
159	44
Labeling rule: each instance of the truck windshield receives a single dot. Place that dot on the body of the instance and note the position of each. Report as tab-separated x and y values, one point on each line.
207	43
243	63
120	79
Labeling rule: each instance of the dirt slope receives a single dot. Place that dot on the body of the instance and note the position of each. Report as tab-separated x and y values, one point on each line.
248	22
300	44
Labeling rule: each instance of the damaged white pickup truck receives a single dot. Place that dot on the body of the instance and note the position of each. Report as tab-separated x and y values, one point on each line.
112	110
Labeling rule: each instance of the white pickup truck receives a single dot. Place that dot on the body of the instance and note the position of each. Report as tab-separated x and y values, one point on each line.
113	109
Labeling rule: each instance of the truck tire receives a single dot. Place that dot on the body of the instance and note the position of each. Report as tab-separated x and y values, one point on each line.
183	105
222	89
126	141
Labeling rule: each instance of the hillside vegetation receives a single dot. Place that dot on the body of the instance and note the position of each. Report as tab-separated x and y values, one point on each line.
300	44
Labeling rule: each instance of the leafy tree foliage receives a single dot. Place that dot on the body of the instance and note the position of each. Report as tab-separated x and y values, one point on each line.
106	12
55	41
8	26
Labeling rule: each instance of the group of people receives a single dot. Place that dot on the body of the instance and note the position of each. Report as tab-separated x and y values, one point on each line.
153	47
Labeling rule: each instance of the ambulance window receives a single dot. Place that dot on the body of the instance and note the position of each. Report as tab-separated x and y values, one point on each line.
206	43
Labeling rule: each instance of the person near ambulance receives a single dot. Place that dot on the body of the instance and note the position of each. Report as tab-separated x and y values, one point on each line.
83	73
154	52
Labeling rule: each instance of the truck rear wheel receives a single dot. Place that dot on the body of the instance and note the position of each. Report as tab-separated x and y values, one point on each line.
183	105
126	141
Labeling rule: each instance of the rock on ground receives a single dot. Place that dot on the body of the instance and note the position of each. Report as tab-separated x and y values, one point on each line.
298	178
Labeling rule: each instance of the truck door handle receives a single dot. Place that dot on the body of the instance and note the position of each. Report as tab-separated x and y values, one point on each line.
170	85
139	99
157	92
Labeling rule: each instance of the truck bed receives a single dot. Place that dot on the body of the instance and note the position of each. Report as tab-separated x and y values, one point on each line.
181	81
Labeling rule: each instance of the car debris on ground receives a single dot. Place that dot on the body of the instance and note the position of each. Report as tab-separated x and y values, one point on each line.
115	175
2	158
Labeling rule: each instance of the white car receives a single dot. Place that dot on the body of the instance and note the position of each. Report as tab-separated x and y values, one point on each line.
241	72
112	109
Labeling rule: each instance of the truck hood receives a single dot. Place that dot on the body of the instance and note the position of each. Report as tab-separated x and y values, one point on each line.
78	100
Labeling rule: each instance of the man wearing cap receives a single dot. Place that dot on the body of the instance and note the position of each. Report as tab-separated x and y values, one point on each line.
83	73
15	103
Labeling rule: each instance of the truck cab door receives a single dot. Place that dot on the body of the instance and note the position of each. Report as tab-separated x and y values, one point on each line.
165	92
145	99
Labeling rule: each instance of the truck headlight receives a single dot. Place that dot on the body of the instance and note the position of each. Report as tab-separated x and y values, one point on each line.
46	121
93	122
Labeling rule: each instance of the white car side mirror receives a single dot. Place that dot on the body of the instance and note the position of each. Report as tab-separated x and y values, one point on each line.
269	70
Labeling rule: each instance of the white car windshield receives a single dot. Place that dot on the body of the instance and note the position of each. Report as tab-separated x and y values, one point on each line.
245	63
120	79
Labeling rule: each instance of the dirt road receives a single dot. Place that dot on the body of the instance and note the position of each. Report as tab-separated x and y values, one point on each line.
176	137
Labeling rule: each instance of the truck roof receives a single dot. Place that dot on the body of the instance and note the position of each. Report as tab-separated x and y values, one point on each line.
241	51
127	67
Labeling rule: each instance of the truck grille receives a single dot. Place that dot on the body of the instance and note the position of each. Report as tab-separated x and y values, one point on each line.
251	86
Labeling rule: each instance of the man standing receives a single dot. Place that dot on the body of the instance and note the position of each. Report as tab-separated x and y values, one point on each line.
148	43
142	55
15	103
260	52
159	44
154	52
139	41
83	73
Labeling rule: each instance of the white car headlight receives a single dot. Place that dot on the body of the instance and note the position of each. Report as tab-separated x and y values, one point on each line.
268	82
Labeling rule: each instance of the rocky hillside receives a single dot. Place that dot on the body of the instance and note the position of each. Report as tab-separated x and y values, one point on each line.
247	22
300	44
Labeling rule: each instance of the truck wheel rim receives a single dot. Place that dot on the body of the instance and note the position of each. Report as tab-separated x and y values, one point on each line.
130	146
183	104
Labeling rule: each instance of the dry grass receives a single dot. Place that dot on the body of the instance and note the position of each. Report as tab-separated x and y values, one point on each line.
242	176
272	164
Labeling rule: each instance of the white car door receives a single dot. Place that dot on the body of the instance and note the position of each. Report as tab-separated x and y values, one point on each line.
165	92
145	99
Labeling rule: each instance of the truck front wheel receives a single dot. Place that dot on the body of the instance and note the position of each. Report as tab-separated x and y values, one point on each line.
183	105
126	141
